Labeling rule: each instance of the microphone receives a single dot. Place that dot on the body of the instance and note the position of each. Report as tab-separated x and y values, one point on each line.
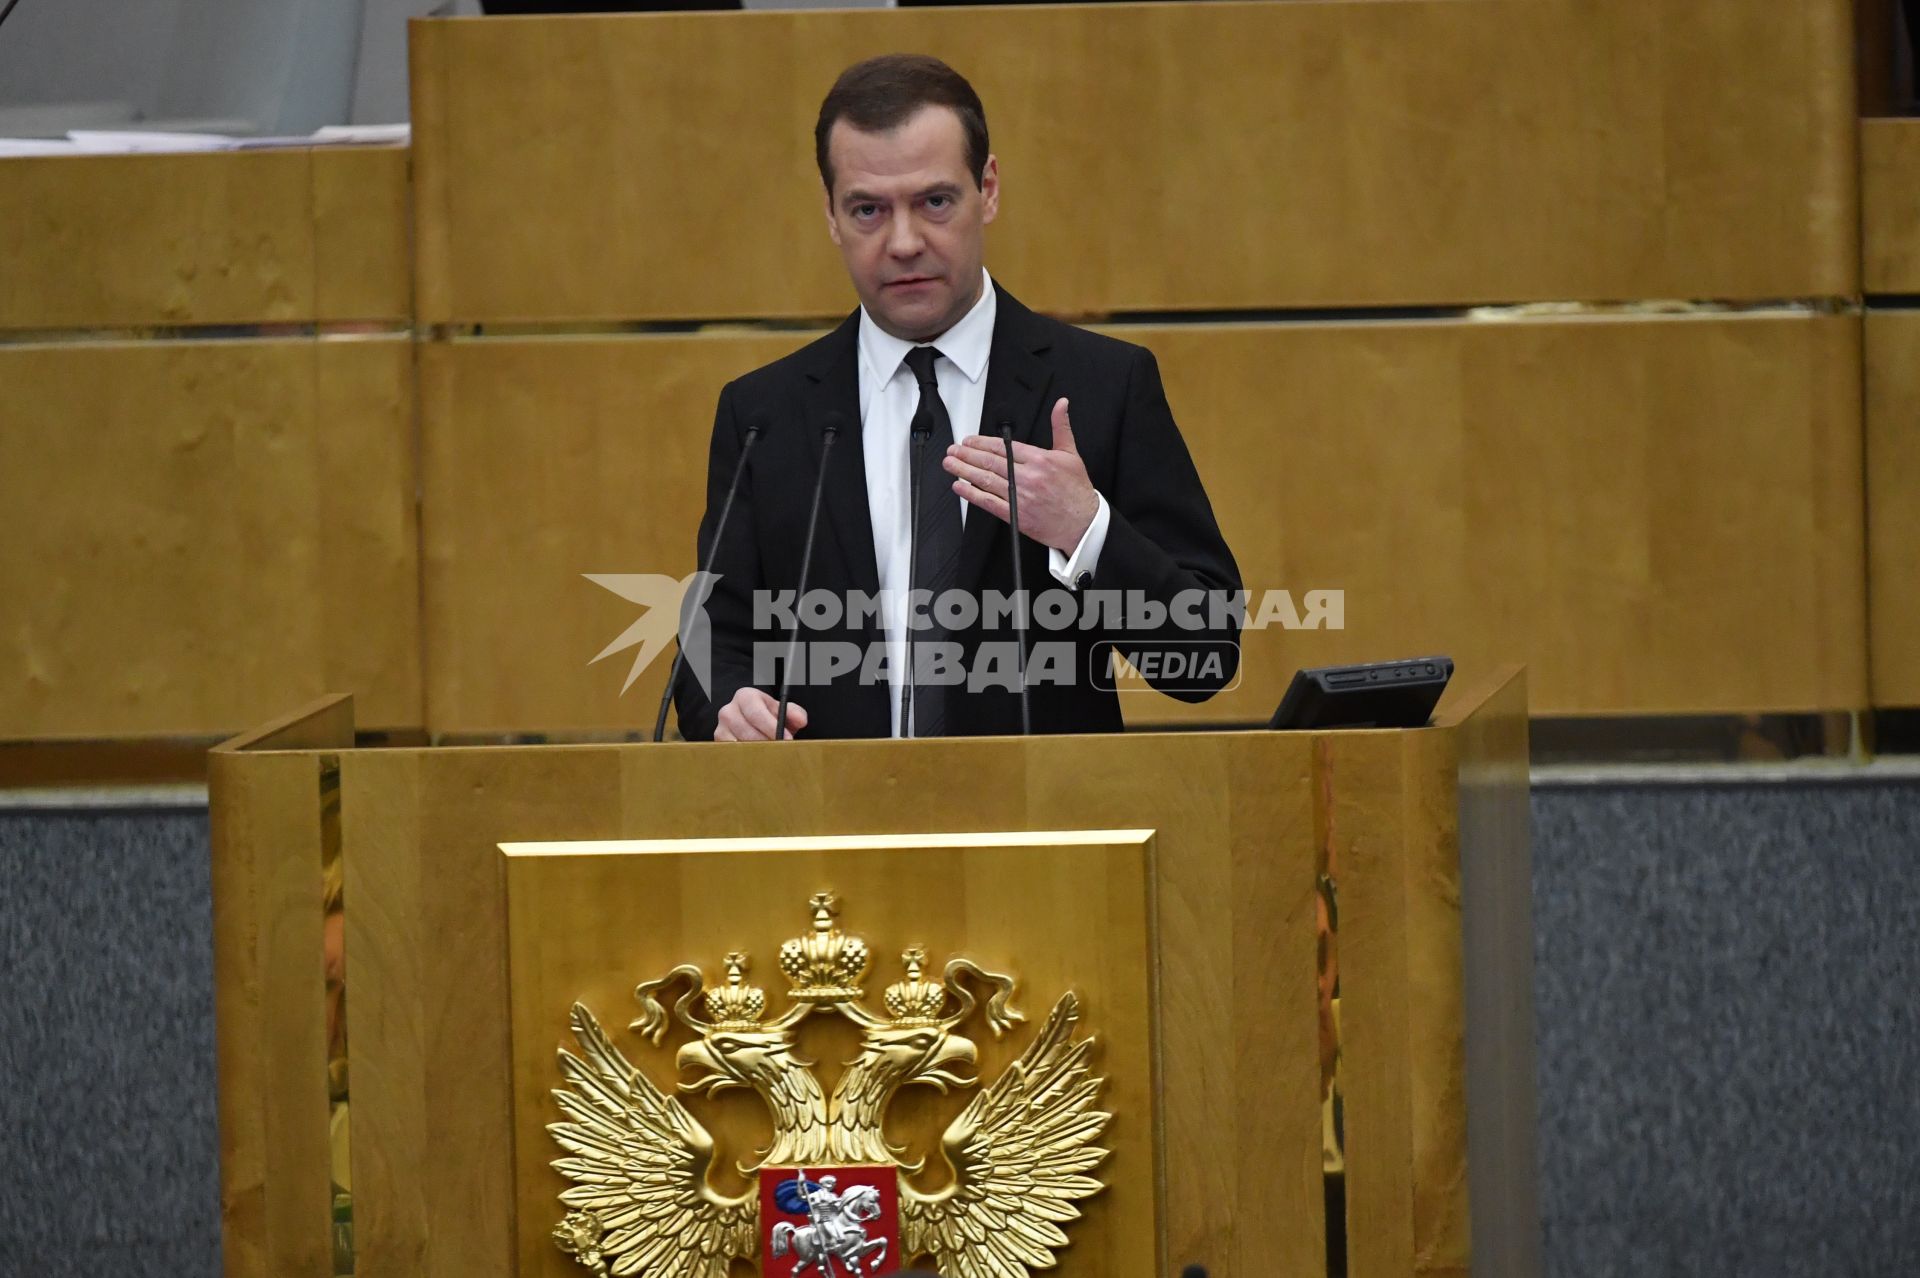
1005	426
830	431
922	432
705	562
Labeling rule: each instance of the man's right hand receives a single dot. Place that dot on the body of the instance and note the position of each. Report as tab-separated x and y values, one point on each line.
750	717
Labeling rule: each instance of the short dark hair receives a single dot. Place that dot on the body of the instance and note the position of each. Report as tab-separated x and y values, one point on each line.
883	93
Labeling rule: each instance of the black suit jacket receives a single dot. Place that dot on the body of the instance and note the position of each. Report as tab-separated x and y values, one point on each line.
1162	538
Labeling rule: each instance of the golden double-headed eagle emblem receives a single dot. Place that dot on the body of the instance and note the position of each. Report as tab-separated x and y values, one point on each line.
1022	1151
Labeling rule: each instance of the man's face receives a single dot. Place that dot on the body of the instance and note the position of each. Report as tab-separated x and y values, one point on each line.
909	221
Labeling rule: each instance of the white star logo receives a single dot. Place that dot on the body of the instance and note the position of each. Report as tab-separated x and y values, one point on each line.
672	608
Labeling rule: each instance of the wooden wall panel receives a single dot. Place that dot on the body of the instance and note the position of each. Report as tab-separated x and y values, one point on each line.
270	997
1890	206
1893	504
287	237
1656	515
362	229
544	460
1158	156
201	532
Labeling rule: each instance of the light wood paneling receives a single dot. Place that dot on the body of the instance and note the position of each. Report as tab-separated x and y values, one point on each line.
1893	504
1232	890
202	531
1657	515
1890	206
362	225
323	723
288	237
1158	156
1061	912
276	1208
428	973
544	460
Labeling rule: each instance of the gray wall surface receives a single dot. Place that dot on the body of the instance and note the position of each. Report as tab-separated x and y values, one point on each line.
258	66
109	1153
86	51
1726	977
1727	980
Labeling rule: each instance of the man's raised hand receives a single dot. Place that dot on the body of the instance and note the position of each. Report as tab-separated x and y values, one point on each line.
1057	501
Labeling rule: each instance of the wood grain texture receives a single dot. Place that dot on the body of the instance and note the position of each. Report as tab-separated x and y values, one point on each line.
428	973
201	532
1330	154
1233	870
1367	781
1436	998
362	225
545	460
323	723
270	1009
1893	504
286	237
1890	206
1059	912
1656	514
427	981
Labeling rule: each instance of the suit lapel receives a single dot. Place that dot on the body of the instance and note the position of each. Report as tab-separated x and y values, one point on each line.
1017	383
833	385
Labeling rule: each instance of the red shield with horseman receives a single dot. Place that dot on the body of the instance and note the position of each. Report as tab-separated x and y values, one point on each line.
829	1222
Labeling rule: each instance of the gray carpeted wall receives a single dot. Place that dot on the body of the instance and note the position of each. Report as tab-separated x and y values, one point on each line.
109	1153
1727	977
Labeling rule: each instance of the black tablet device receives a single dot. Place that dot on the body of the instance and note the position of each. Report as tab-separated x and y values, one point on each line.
1380	694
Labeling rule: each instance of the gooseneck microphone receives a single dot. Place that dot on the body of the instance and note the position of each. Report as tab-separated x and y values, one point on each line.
922	431
829	431
704	562
1005	427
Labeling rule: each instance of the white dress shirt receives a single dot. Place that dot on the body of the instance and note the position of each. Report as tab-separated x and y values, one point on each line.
889	394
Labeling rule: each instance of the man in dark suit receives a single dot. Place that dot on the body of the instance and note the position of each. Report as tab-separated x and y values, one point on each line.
1119	545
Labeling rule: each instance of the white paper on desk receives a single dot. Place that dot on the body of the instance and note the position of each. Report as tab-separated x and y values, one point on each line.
363	133
36	146
117	142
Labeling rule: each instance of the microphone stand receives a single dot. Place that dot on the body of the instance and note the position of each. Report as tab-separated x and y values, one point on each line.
1019	590
831	431
713	548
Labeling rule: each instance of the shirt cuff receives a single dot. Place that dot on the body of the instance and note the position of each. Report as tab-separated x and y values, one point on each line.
1086	556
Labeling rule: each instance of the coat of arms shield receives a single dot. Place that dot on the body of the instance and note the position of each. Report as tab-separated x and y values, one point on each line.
829	1222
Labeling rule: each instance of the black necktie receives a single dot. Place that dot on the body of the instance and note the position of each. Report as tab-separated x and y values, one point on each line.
936	537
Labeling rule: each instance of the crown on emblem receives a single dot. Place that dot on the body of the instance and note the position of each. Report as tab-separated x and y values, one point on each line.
915	1001
826	966
736	1005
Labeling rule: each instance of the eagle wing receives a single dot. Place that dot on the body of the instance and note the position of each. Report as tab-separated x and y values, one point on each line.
1021	1152
639	1163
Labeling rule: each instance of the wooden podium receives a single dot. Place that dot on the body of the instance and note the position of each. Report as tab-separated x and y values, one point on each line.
432	915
